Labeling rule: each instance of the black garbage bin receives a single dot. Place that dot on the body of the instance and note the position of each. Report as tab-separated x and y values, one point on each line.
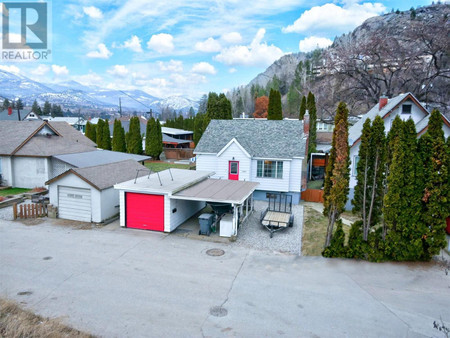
205	221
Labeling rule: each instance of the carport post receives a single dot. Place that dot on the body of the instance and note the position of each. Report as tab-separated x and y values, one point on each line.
234	219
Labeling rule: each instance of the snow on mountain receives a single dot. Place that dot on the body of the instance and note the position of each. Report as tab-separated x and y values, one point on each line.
74	95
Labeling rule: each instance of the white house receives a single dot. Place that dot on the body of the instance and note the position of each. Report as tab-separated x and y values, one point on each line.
87	194
407	107
271	153
26	149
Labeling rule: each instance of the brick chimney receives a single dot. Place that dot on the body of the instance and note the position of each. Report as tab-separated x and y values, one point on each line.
306	123
383	101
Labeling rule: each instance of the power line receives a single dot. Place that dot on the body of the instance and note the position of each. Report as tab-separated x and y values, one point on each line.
131	97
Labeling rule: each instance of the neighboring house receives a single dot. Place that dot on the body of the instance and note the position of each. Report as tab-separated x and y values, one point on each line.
407	107
272	153
26	149
87	194
177	138
4	116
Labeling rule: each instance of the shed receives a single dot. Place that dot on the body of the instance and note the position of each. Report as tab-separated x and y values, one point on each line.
87	194
162	201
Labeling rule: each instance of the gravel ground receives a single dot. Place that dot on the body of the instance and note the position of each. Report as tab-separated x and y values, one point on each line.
256	236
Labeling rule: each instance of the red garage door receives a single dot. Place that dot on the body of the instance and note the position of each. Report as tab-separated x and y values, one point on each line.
145	211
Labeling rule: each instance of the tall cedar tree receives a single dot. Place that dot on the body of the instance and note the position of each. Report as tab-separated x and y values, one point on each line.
341	115
91	132
133	137
100	135
106	135
153	141
217	108
311	106
118	140
402	201
274	110
302	108
19	107
435	183
35	108
198	127
338	177
6	104
370	174
261	107
47	108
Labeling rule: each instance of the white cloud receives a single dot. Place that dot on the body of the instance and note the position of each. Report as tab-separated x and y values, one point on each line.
89	79
204	68
330	17
134	44
161	43
258	53
232	70
60	71
208	46
101	53
171	66
93	12
313	42
119	71
232	37
11	69
40	70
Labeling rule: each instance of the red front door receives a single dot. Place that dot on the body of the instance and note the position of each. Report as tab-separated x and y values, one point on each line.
144	211
233	170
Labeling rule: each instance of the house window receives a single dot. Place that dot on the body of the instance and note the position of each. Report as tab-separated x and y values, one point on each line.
355	164
269	169
406	109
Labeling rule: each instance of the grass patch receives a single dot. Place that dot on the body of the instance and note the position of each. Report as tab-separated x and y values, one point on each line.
350	216
160	166
17	322
315	232
13	191
315	184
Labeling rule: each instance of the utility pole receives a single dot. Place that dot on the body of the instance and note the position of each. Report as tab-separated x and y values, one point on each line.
120	107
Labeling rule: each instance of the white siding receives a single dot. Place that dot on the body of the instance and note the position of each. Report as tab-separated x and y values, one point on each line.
416	114
185	210
30	172
7	169
76	208
109	203
59	167
353	152
122	207
273	184
295	178
219	164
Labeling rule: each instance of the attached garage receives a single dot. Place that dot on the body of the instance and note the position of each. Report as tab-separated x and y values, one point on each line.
74	203
87	194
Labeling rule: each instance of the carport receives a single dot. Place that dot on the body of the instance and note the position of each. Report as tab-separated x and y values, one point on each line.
162	201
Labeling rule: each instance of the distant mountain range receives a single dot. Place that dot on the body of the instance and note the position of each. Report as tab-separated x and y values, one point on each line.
73	95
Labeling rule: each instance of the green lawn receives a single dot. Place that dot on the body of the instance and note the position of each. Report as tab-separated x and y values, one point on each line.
160	166
315	184
13	191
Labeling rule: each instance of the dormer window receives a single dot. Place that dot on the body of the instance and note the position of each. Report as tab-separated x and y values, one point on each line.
406	109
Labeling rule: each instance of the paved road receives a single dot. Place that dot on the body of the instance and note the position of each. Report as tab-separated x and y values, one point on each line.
130	283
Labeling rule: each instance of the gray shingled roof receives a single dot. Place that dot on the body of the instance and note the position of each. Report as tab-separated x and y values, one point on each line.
14	133
167	138
98	157
260	138
106	175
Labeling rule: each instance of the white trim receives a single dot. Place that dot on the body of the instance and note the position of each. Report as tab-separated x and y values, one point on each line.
201	153
274	159
233	140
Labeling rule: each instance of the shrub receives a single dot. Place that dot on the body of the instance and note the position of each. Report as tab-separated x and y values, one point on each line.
336	247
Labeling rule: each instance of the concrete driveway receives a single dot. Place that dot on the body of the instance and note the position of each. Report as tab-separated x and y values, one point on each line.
129	283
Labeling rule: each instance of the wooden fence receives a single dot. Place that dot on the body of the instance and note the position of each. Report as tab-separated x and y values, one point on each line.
313	195
32	210
178	153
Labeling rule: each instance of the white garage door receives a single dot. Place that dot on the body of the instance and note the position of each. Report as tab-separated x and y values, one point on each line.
74	203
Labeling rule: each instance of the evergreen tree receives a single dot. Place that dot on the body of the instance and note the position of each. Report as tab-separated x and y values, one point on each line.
202	105
293	99
118	140
106	136
159	140
370	174
435	186
402	201
6	104
311	106
100	135
35	108
133	137
302	108
198	128
91	132
338	176
47	108
274	111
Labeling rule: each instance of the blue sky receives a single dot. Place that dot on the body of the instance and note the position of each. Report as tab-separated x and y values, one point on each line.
188	47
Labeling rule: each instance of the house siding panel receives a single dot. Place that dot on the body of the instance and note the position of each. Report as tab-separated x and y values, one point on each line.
184	210
233	153
272	184
30	172
295	179
7	170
